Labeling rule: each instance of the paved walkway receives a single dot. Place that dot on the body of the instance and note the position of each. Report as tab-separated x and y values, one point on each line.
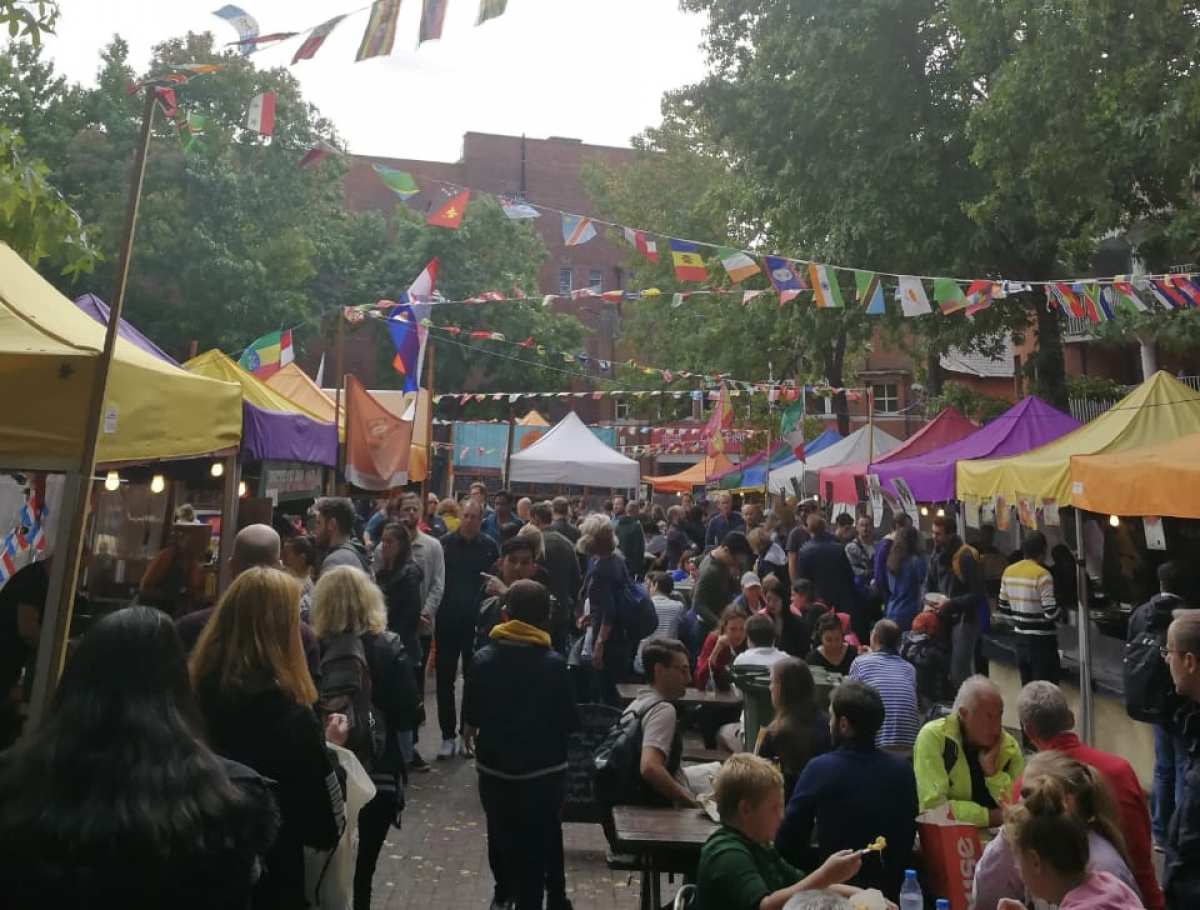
438	860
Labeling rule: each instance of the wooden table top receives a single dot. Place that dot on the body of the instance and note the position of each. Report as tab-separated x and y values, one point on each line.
630	691
639	828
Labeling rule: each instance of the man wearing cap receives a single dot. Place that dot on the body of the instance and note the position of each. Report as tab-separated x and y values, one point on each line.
750	601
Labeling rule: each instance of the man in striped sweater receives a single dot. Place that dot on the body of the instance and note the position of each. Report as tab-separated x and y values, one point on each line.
1027	601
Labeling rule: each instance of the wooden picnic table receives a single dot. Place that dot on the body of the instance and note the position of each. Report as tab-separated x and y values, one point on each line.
665	840
630	691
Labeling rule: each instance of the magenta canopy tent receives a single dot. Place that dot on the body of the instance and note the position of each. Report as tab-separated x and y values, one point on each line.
1026	425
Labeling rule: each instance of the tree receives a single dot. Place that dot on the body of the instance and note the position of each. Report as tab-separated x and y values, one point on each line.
29	18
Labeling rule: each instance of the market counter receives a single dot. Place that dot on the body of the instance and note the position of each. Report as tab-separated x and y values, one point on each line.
1116	732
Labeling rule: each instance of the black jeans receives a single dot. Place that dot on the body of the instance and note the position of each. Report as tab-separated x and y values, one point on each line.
374	821
453	642
1037	658
525	851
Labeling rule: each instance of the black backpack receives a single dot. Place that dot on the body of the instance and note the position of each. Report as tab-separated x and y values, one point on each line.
346	689
635	607
1148	685
617	763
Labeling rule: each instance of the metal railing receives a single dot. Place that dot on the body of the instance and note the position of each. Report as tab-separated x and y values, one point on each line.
1085	409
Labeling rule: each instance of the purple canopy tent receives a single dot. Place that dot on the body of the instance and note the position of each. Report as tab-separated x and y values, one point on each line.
280	436
98	310
1026	425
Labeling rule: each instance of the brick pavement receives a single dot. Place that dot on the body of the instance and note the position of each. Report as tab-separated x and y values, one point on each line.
438	859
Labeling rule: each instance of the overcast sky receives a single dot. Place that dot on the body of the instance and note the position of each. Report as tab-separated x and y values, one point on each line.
589	69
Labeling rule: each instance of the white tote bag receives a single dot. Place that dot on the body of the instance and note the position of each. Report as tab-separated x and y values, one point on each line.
329	875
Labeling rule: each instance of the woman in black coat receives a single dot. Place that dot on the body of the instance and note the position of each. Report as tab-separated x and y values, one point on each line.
116	800
256	694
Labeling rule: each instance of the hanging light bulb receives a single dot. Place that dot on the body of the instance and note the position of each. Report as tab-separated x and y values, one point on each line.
158	483
217	469
112	481
1114	521
941	513
925	511
241	488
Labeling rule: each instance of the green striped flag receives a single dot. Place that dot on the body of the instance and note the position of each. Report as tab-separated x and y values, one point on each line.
949	295
490	9
399	182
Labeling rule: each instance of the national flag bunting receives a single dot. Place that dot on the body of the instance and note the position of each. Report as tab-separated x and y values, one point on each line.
870	292
246	25
308	49
380	33
451	213
316	154
826	293
737	264
433	14
406	338
1165	294
791	428
399	182
1068	302
1125	293
267	355
949	295
688	263
911	294
261	116
517	208
979	296
258	41
719	422
577	229
642	243
1188	288
784	278
192	127
490	9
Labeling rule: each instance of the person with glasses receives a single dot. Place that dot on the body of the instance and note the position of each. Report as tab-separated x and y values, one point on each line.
1182	654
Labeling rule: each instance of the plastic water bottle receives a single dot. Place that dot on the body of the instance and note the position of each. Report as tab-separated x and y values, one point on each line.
911	897
942	904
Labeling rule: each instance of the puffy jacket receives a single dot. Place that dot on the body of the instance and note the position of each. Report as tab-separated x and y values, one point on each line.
943	776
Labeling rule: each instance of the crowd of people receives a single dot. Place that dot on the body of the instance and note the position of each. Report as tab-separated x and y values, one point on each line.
207	758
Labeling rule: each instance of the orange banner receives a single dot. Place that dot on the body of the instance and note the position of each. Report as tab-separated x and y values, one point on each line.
377	441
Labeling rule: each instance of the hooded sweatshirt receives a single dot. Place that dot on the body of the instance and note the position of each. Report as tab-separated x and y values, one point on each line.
631	540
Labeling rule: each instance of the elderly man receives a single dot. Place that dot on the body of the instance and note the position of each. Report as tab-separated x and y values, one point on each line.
723	522
1048	722
967	759
1182	654
895	679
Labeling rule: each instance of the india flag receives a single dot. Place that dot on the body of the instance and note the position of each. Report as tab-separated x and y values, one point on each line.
826	292
737	264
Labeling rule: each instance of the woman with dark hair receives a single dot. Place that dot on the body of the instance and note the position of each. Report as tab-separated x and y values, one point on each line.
400	580
116	801
906	572
800	729
299	558
831	653
256	694
610	643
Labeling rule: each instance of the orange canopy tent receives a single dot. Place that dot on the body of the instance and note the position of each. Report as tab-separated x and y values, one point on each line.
1162	479
695	476
533	419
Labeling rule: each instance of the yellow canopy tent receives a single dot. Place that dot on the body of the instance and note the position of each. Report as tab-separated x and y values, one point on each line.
1156	480
293	384
217	365
1161	409
533	419
49	351
695	476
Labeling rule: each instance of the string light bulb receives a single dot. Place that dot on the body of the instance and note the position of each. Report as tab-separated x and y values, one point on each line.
112	481
241	488
217	469
158	483
925	511
1114	521
941	513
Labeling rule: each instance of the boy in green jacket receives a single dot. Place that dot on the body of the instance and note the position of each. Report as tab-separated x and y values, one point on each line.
966	758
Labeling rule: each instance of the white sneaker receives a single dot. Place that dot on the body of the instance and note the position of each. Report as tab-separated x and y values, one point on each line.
447	750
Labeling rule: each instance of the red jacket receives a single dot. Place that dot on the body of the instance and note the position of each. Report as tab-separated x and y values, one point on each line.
718	669
1131	806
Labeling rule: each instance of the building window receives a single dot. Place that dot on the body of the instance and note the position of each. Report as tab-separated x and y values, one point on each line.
887	398
620	408
596	280
565	281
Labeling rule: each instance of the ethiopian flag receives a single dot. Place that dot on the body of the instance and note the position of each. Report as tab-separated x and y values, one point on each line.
266	356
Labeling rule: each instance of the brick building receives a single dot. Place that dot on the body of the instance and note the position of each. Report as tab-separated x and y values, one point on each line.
546	172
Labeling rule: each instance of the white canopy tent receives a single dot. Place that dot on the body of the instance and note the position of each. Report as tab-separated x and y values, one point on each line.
570	453
854	448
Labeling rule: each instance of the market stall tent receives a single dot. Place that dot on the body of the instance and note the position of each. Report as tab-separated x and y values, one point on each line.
947	427
691	477
570	453
853	448
1159	480
49	352
272	426
98	310
293	384
533	419
1026	425
1159	410
754	476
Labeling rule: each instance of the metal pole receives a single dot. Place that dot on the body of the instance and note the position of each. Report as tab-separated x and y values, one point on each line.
56	625
338	352
870	425
229	510
512	418
1087	720
427	483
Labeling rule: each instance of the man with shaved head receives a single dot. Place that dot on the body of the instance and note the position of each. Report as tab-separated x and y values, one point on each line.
255	546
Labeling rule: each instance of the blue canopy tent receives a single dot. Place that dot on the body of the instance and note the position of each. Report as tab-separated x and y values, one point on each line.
755	476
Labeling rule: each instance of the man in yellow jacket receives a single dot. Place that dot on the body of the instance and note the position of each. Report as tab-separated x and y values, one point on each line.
966	758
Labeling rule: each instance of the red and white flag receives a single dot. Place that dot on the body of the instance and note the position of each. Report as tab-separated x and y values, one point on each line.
643	244
261	117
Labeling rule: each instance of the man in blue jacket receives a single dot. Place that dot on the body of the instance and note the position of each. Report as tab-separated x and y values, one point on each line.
853	795
517	714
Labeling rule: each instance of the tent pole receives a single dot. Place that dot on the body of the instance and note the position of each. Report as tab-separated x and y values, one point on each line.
57	625
229	528
1087	720
339	346
427	483
508	444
